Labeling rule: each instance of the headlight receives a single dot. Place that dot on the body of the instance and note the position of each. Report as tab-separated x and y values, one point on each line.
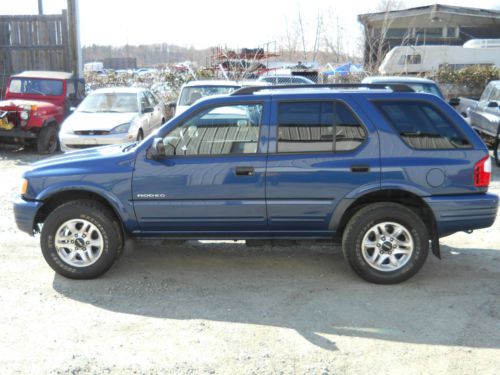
24	115
122	128
24	186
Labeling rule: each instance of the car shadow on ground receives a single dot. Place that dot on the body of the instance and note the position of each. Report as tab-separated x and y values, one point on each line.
451	302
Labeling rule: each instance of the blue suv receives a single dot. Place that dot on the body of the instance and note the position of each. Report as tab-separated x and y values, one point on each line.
386	170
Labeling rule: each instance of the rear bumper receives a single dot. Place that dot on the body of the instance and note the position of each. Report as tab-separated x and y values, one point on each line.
463	212
24	214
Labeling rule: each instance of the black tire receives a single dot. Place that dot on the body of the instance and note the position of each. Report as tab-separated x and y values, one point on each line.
140	135
47	142
105	223
364	221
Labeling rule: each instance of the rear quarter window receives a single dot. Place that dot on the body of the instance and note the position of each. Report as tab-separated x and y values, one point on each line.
422	126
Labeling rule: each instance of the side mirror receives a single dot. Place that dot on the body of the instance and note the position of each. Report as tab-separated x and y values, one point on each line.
492	104
454	102
148	110
157	149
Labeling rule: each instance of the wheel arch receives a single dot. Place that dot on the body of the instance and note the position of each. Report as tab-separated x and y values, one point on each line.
348	207
57	198
51	121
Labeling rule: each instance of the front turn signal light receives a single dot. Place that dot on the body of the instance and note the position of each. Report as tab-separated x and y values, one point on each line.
24	186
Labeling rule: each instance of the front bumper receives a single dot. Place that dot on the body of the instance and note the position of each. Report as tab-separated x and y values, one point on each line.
18	133
24	214
463	212
71	142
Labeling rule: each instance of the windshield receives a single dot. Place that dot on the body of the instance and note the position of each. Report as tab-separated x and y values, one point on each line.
191	94
110	102
425	87
36	86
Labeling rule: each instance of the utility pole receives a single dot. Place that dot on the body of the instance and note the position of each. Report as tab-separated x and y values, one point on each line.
40	7
74	38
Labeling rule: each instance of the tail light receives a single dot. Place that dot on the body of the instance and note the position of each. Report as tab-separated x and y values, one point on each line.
482	172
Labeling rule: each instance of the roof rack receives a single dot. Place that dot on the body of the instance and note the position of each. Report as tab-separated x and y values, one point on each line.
376	86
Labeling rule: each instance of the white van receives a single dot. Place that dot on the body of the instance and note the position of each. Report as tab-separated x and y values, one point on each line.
425	59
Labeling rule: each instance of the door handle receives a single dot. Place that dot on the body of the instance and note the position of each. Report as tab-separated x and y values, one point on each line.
360	168
245	171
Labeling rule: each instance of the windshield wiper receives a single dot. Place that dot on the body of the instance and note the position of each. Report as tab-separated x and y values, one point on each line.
129	146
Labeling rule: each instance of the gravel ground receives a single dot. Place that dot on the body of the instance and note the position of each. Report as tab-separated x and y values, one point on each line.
223	308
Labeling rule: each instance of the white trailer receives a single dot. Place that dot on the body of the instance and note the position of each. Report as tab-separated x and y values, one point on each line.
427	59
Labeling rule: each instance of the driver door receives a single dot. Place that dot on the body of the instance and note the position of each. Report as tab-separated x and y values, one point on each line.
213	178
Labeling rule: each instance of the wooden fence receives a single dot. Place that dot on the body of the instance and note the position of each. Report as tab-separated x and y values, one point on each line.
38	42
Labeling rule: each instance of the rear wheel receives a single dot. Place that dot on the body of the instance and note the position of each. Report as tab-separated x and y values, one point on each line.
47	141
385	243
81	239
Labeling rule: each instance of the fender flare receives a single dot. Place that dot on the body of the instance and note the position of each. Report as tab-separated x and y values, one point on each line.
49	121
126	221
347	202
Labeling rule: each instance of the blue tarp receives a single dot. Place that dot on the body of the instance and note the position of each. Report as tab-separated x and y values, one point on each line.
345	69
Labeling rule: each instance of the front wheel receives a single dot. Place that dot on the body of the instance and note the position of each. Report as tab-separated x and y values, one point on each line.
81	239
385	243
47	141
140	135
496	150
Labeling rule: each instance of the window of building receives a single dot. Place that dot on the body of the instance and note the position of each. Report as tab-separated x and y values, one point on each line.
430	32
398	33
422	126
318	127
219	131
451	32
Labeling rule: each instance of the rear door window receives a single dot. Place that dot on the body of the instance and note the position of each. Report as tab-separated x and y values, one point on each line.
318	127
422	126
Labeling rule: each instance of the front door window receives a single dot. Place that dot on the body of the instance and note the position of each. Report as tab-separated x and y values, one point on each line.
225	130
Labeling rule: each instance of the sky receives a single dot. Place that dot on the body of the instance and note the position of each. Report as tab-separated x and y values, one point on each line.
226	23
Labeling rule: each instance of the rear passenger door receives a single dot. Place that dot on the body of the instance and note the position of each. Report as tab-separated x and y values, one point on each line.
144	117
321	151
155	118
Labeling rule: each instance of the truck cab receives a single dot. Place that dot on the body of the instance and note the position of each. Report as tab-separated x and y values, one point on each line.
35	105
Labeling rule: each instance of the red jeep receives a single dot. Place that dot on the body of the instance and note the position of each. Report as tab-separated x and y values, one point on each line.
35	105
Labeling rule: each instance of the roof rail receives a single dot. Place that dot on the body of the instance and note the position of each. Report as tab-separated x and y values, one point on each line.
377	86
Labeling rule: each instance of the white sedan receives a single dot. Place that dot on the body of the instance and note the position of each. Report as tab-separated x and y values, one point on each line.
110	116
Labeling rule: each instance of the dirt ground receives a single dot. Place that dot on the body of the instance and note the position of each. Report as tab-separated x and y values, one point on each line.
223	308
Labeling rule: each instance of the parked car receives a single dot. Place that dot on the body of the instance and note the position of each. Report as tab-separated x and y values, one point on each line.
417	84
35	105
484	115
112	115
286	80
195	90
387	172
